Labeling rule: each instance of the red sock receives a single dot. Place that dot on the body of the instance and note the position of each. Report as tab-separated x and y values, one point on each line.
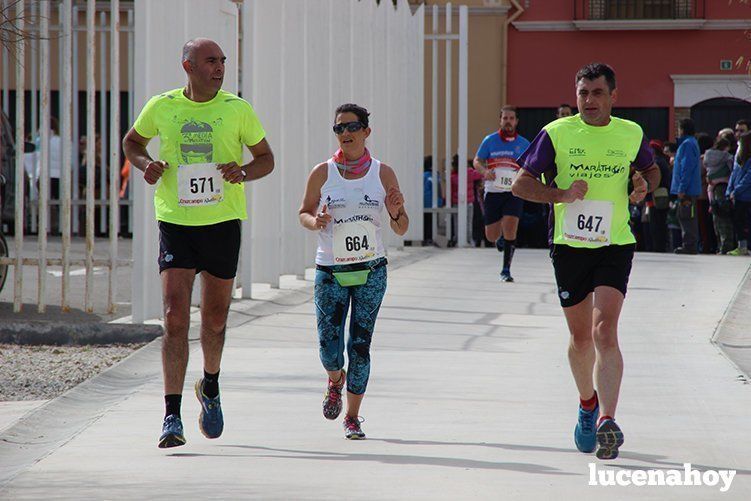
589	405
603	418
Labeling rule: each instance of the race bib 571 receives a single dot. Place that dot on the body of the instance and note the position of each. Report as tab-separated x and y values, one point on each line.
199	185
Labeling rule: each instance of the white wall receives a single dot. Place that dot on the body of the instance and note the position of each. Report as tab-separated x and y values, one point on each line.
306	57
301	59
162	28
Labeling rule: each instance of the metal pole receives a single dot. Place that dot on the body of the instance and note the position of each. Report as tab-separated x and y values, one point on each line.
103	121
34	74
434	117
60	72
76	155
6	71
90	151
44	153
20	80
114	148
34	115
462	146
131	86
65	164
448	130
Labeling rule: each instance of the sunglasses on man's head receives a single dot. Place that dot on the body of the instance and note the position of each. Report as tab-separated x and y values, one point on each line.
349	126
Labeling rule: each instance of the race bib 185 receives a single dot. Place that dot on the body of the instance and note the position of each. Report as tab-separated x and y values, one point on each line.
504	177
199	185
588	221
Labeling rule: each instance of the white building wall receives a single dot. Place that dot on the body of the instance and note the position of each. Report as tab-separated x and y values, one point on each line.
301	59
158	53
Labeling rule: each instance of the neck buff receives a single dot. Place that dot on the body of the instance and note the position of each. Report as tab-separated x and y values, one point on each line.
507	137
355	167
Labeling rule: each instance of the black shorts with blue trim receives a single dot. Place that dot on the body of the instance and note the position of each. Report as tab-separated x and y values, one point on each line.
214	248
579	270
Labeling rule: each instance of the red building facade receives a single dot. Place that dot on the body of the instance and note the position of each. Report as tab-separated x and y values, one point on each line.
673	58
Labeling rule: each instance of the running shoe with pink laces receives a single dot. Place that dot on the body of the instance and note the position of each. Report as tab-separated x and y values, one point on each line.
352	430
332	399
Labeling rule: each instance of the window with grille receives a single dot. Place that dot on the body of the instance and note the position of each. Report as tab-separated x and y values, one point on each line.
641	9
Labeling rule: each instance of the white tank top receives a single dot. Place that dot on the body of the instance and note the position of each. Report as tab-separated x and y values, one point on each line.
354	205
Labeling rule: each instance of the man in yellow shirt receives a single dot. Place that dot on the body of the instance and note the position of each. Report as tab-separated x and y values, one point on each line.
586	162
199	204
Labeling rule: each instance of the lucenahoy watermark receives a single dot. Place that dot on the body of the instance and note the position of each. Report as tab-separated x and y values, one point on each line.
657	477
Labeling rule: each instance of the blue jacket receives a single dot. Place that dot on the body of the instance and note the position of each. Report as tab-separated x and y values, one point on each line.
686	171
740	182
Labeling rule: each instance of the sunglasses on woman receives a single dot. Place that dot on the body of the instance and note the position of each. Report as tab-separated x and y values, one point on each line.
349	126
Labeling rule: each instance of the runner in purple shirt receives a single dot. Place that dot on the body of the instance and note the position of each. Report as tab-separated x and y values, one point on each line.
585	162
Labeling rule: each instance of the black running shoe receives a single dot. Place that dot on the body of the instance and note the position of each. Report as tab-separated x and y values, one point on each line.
172	432
609	439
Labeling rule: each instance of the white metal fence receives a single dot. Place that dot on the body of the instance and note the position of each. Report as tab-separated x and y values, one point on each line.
448	37
297	59
58	24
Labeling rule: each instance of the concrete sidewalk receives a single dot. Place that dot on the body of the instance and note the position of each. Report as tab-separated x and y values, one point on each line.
470	398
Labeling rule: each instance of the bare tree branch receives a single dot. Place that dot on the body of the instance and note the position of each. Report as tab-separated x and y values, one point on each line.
10	33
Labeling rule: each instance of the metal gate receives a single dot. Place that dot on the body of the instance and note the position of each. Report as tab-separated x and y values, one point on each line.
47	36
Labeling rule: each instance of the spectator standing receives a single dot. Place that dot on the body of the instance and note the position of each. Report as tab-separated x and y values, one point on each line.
54	168
718	163
472	177
658	202
427	199
564	110
704	218
686	185
739	191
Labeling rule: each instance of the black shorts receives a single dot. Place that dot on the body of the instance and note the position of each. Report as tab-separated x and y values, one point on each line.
214	248
498	205
578	271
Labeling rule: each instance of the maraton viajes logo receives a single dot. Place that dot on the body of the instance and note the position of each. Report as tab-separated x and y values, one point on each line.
594	171
357	218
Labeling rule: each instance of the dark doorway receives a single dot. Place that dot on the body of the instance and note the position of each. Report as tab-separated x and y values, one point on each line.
654	121
714	114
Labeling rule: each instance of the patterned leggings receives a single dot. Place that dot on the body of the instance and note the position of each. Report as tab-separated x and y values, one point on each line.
332	303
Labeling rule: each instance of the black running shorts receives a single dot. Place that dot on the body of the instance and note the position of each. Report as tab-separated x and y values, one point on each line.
214	248
497	205
578	271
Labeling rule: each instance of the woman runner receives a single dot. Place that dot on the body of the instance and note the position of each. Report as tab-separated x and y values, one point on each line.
344	201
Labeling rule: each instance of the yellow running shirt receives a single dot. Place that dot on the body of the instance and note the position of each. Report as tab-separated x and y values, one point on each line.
193	138
569	149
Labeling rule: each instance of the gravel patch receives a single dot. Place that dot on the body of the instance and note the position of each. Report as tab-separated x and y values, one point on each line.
45	372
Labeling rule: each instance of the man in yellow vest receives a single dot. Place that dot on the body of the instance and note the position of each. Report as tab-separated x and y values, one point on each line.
199	203
585	161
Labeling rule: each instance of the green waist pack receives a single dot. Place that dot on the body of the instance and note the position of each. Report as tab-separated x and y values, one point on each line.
357	274
352	278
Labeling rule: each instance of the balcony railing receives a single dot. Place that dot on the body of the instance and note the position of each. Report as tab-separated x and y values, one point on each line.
609	10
